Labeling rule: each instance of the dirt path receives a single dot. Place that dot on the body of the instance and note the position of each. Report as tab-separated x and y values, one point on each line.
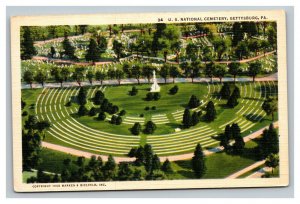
162	158
260	172
245	170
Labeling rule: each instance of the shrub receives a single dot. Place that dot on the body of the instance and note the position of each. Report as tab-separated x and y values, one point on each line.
92	111
150	127
25	113
156	96
147	108
149	96
69	103
133	91
113	119
122	113
153	108
118	120
136	129
173	90
82	110
101	116
194	102
141	115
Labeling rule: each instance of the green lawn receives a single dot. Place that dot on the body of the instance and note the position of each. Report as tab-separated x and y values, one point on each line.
27	174
101	137
135	105
218	165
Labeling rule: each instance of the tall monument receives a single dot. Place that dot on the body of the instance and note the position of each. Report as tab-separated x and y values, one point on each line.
154	87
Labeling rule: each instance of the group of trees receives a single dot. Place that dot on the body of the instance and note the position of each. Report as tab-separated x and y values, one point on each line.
231	139
174	90
32	135
189	119
147	166
211	112
269	142
270	106
233	97
153	96
104	106
150	127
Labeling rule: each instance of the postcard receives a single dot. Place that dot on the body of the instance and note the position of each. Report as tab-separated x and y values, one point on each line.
149	101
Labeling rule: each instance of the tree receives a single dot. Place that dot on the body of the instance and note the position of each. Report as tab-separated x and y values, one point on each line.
136	72
28	77
156	96
23	104
209	70
195	119
272	161
92	111
109	168
238	139
136	128
225	91
81	97
198	162
166	167
65	73
119	120
220	71
119	75
225	137
174	90
42	125
52	52
82	110
99	97
125	173
69	50
165	72
195	70
150	127
174	72
93	52
186	118
118	48
254	69
234	69
236	92
100	76
31	147
101	116
270	106
194	102
269	142
242	50
220	47
78	75
149	96
232	101
155	162
27	48
210	111
147	72
133	91
90	75
148	157
31	123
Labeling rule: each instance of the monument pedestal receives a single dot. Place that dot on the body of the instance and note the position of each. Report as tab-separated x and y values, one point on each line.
154	87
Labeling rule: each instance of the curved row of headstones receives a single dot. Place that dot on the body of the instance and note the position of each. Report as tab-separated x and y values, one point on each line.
70	131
